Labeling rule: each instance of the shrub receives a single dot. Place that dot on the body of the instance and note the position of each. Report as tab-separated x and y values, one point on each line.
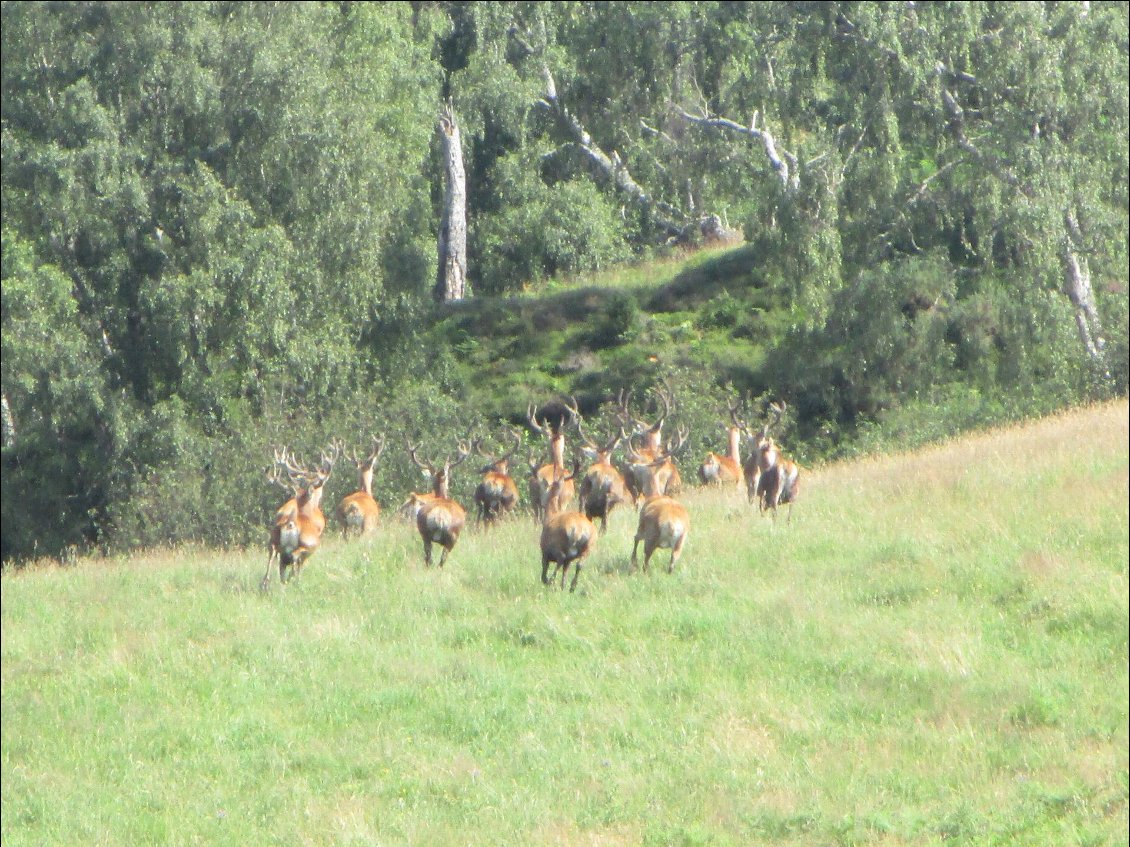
566	228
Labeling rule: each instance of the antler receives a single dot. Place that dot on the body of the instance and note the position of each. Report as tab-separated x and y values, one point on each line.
509	454
735	406
463	449
630	451
378	448
667	397
778	410
319	476
623	399
675	446
517	443
375	451
573	410
609	445
281	463
532	417
297	473
412	448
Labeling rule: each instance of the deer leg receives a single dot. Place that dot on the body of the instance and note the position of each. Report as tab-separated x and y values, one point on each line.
545	578
676	551
266	582
635	546
300	557
576	576
443	555
648	549
427	552
564	572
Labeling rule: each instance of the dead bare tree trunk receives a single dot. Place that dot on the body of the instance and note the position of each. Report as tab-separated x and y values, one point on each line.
1077	286
451	274
7	423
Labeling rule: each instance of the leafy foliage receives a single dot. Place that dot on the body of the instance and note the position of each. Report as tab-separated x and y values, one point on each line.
219	225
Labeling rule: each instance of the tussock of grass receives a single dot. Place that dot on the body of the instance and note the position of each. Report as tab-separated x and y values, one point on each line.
933	651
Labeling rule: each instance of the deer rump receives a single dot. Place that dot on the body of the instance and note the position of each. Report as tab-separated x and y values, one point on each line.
440	521
494	495
779	477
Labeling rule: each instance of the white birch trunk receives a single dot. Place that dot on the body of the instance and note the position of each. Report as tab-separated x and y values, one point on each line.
451	273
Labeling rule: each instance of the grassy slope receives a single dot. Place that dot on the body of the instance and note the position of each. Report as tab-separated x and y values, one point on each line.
708	311
934	651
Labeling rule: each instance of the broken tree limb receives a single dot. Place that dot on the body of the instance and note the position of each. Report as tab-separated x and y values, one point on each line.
784	163
673	224
610	167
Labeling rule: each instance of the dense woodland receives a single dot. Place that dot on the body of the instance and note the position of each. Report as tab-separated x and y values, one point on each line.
220	225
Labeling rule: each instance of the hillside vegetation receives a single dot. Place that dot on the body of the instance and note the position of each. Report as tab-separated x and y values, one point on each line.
220	231
933	651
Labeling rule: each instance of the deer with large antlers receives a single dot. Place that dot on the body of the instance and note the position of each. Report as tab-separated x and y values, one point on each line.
771	478
651	449
659	475
359	512
439	519
566	536
299	522
542	476
497	494
664	521
603	487
717	469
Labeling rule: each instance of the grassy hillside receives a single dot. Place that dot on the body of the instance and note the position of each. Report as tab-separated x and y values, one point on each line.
709	311
933	651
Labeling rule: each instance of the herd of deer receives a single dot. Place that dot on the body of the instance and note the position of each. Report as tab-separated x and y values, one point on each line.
648	480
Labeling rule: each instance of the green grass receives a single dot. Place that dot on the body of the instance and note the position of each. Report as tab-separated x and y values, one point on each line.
934	651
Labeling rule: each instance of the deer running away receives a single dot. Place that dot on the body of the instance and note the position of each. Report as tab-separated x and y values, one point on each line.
725	469
439	519
299	522
566	537
664	523
603	487
359	512
771	479
497	495
542	476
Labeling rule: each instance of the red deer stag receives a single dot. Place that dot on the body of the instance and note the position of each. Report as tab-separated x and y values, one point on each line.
725	470
771	478
555	417
566	537
497	494
299	522
652	434
359	512
659	475
664	522
603	487
439	519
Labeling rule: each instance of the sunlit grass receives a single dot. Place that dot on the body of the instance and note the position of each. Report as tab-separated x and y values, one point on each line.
646	275
933	651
